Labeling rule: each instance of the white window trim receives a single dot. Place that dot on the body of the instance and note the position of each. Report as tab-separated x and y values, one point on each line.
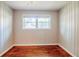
36	22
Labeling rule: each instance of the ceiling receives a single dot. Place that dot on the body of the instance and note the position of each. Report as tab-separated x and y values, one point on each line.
36	5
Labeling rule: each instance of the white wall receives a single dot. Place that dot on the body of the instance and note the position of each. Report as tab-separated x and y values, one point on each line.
0	25
35	36
77	30
68	26
5	27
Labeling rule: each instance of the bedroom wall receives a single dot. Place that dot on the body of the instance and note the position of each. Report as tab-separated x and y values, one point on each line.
77	30
0	25
5	27
69	16
35	36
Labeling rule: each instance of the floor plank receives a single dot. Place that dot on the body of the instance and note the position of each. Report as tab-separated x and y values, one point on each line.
36	51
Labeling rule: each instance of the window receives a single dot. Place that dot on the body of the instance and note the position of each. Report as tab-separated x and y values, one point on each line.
29	23
36	22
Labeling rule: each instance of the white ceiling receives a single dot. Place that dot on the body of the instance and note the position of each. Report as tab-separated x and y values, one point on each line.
36	5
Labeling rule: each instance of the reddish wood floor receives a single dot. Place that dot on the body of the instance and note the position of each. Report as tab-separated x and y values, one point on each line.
36	51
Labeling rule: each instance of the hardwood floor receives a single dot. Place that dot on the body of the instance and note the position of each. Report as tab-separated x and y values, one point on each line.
37	51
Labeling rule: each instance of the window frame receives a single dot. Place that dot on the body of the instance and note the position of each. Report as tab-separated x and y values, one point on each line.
23	24
37	22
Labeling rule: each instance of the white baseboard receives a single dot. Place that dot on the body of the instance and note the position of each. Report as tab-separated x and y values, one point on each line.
6	50
33	44
66	50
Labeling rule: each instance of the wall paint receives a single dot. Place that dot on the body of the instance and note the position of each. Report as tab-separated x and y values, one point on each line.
77	29
68	27
5	27
0	25
35	36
